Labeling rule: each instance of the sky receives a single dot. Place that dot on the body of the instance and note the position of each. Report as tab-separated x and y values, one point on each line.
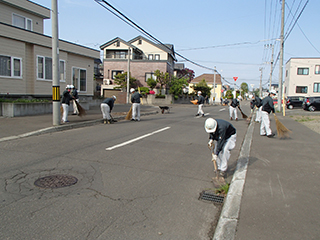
233	36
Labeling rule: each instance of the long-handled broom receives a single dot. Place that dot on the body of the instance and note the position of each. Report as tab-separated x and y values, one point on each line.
217	182
242	113
81	111
282	131
129	114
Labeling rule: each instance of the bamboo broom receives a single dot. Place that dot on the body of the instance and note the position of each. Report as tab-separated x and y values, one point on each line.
282	131
81	111
129	114
242	113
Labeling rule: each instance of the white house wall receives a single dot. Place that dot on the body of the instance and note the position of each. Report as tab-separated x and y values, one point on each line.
148	48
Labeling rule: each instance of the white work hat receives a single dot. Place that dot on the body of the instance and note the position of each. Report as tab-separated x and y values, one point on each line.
132	90
114	97
273	92
68	86
199	92
210	125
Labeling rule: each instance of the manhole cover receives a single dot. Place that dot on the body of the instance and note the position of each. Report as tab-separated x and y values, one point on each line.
211	197
56	181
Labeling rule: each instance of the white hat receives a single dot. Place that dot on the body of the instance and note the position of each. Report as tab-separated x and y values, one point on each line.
132	90
71	86
199	92
68	86
273	92
210	125
114	97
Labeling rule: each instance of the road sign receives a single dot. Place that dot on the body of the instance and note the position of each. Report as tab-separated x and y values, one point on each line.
235	78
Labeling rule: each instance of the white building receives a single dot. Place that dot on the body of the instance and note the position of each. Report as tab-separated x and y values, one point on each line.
302	77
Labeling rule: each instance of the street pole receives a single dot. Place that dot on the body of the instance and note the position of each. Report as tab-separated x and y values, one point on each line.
128	75
270	83
55	65
260	88
214	85
281	57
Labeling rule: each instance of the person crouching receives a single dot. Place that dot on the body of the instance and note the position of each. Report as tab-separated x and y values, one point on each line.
106	108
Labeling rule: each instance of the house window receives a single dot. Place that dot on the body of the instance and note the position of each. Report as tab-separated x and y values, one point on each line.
316	87
44	69
120	55
118	43
140	42
150	56
10	66
79	79
301	89
150	75
21	22
115	73
303	71
317	69
157	56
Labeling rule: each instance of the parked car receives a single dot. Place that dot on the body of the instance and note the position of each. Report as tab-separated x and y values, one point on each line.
295	102
311	103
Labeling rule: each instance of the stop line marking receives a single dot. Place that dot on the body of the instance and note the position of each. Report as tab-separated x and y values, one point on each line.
136	139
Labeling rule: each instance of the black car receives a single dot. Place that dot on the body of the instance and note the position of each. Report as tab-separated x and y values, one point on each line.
311	103
295	102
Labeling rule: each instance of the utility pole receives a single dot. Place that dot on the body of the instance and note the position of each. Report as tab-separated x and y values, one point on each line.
281	57
270	83
214	85
260	88
128	75
55	65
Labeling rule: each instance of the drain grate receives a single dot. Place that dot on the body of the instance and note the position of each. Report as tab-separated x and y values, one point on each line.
211	197
56	181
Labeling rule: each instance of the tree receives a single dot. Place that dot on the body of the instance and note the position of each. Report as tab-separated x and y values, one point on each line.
162	78
151	83
203	87
244	87
176	86
186	73
121	80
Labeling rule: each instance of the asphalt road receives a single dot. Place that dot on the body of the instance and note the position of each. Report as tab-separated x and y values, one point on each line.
146	187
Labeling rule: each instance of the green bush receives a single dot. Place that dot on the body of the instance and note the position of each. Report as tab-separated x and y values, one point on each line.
160	96
24	100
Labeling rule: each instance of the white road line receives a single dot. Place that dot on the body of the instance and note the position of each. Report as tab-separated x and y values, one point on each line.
206	114
136	139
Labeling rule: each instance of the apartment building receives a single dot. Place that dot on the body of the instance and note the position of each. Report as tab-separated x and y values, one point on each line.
302	77
141	56
26	54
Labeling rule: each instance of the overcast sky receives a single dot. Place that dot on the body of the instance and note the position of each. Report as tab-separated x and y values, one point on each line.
235	36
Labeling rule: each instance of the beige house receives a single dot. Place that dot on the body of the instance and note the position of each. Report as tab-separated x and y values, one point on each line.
209	78
302	77
144	59
26	54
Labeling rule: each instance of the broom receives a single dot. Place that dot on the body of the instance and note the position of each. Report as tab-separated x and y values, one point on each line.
282	131
195	102
81	110
129	114
242	113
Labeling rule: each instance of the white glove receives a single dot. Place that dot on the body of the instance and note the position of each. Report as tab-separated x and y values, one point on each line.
210	143
214	157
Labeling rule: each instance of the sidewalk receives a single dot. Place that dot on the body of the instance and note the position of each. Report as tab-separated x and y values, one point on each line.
16	127
280	197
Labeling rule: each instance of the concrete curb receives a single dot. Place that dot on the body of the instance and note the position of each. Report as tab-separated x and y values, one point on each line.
65	127
228	221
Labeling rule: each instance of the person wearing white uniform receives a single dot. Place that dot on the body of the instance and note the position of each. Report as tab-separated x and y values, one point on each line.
135	99
233	109
200	104
106	108
225	136
266	109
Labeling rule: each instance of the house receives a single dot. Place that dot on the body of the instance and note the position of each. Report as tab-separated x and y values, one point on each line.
302	77
209	78
26	54
141	56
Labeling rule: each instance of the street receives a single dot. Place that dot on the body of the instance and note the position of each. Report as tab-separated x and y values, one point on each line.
145	186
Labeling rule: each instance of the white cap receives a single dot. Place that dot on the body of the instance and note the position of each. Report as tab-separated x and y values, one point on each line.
71	86
273	92
68	86
210	125
114	97
199	92
132	90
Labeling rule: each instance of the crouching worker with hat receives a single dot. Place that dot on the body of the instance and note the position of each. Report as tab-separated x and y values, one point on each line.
106	108
225	136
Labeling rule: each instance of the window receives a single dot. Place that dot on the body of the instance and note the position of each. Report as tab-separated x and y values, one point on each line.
21	22
115	72
316	87
140	42
120	55
301	89
79	79
157	56
150	56
118	43
150	75
317	69
303	71
44	69
10	66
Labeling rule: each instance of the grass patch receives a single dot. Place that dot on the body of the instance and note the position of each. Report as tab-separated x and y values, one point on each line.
23	100
223	190
304	119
